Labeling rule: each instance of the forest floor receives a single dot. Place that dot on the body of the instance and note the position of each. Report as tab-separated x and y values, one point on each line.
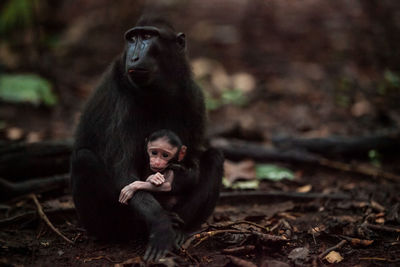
353	219
347	212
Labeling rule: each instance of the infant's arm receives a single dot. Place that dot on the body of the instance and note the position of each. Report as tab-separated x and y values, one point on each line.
160	182
128	191
169	176
164	187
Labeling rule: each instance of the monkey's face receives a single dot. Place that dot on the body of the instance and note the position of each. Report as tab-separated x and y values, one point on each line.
146	46
160	154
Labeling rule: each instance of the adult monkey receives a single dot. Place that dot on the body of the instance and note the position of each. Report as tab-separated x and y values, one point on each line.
149	87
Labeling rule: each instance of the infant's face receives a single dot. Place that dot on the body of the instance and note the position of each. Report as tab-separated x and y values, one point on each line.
160	154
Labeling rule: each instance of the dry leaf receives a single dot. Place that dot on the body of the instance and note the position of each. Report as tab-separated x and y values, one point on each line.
132	261
301	254
361	242
242	170
14	133
304	189
57	204
334	257
375	205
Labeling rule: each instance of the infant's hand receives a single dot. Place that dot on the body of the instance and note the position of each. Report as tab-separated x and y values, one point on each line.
127	193
156	179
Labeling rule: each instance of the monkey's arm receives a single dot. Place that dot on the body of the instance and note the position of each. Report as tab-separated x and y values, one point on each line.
185	179
166	186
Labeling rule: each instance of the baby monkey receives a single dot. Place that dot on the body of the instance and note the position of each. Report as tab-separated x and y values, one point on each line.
165	151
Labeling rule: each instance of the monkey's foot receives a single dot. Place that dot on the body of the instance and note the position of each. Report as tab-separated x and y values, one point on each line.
161	240
180	238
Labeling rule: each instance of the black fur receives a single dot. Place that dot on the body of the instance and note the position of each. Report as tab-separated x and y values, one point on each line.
109	150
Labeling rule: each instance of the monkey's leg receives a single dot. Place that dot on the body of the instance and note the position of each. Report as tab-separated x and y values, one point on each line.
92	191
157	223
195	209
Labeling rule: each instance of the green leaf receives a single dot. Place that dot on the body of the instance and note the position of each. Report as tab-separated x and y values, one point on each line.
375	158
16	14
26	88
252	184
273	172
212	103
235	97
246	184
392	78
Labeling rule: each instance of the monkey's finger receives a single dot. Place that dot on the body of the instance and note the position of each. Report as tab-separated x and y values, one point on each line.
180	239
160	254
125	199
157	181
148	252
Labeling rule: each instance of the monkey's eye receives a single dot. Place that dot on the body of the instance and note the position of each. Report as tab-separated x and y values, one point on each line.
147	36
154	153
133	39
165	155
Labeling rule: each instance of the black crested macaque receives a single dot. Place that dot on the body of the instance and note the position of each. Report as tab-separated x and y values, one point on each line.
149	87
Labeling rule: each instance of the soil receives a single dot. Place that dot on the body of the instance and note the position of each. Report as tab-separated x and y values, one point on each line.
262	232
308	84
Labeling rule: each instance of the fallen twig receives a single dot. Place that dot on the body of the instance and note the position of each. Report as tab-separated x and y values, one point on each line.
187	254
379	259
382	228
12	190
271	197
338	245
100	258
239	250
19	217
365	170
204	236
357	241
340	145
230	224
44	217
273	238
236	150
240	262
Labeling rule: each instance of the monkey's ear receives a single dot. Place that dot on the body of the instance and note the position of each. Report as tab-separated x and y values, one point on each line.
182	153
181	40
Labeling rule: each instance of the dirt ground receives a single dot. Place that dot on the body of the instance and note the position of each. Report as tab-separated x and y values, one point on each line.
316	68
283	230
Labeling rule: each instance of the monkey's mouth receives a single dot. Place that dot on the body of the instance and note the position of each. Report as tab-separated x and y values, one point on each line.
138	71
139	75
156	169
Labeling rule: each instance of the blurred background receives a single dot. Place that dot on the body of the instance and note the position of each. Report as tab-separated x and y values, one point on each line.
308	68
271	70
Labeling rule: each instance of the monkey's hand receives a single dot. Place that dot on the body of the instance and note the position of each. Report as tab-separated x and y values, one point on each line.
162	239
176	220
156	179
128	191
180	238
177	224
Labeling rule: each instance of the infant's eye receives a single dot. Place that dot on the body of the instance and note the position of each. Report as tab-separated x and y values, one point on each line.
154	153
